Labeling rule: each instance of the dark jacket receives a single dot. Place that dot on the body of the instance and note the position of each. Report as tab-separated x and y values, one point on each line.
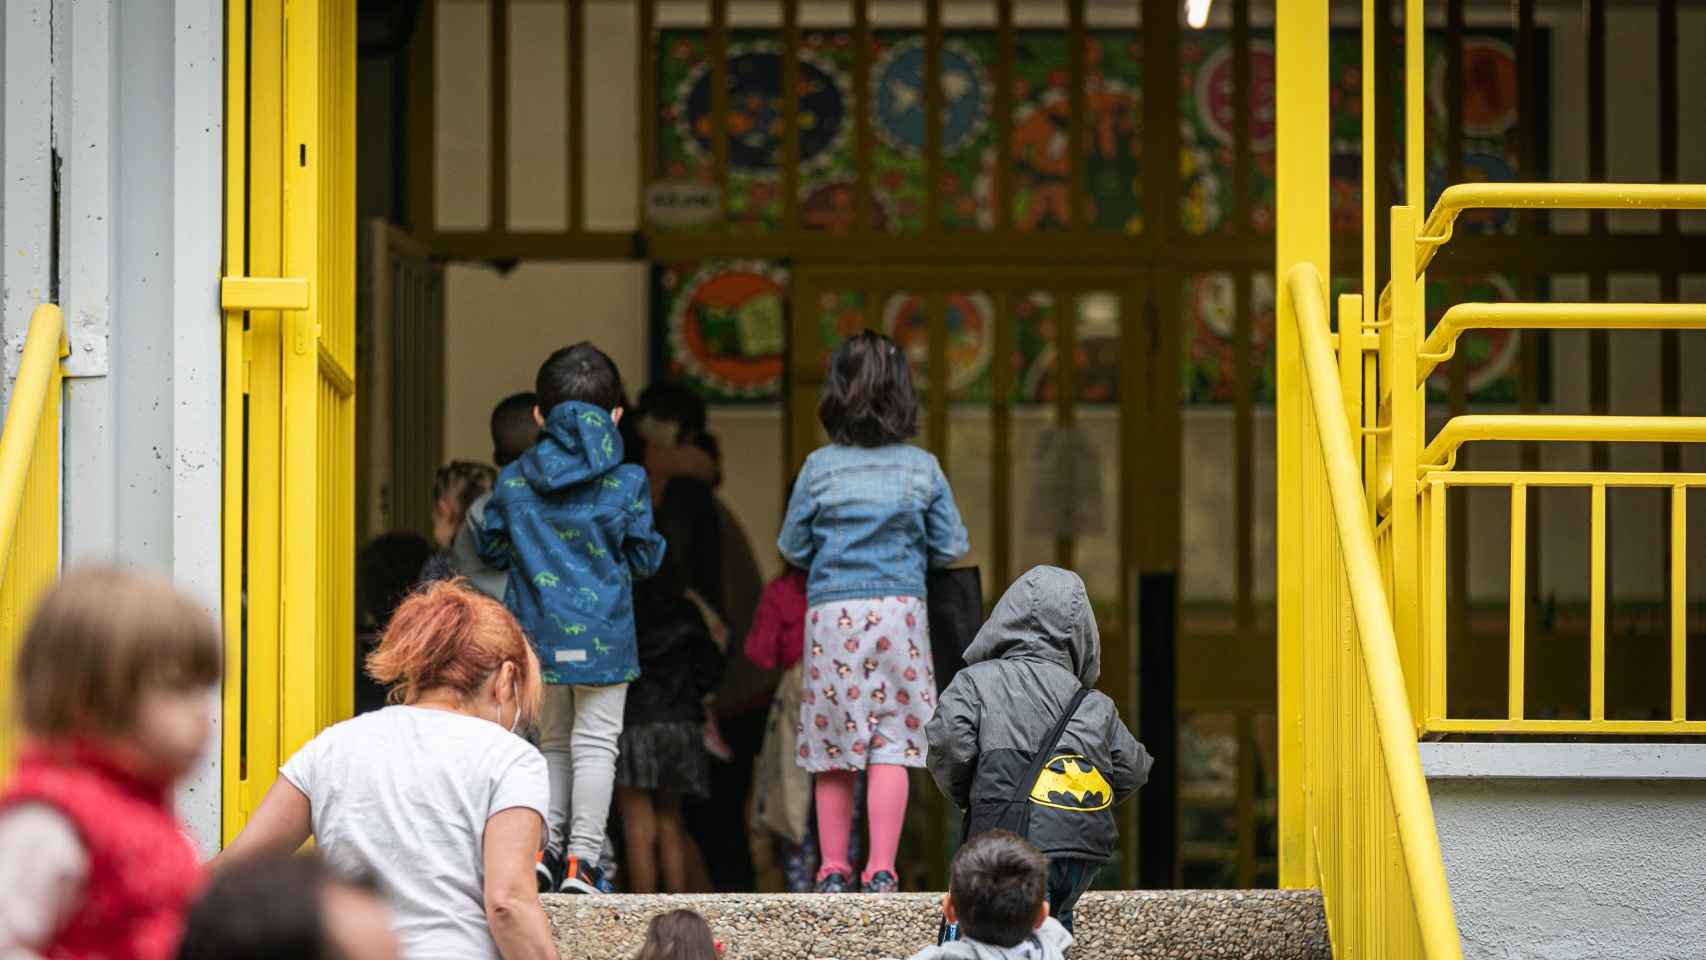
679	664
687	518
574	523
1038	647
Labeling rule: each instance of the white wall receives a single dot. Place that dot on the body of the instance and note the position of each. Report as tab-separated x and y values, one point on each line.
138	278
1575	869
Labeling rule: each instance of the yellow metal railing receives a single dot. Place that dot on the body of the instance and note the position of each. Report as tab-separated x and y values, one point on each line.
1413	474
1438	720
29	495
1367	806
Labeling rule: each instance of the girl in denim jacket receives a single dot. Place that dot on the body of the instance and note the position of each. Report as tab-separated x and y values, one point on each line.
869	514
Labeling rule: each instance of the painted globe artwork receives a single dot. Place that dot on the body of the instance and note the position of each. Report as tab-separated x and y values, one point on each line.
755	117
898	81
970	340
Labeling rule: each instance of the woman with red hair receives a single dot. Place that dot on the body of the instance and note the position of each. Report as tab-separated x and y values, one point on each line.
434	794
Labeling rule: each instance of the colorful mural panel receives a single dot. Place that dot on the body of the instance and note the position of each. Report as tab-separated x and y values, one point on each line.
1490	144
733	350
721	327
1210	355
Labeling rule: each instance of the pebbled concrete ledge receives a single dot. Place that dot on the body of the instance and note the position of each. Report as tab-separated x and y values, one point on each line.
1138	925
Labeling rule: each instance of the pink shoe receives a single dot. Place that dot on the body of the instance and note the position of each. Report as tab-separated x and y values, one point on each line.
715	745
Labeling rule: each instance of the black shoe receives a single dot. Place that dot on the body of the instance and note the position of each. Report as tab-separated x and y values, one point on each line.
581	877
833	883
549	871
882	881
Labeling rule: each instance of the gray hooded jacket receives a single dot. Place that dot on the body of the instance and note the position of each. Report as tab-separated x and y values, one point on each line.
465	558
1048	942
1037	648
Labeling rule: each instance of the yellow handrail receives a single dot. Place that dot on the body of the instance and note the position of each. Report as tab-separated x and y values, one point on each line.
1442	342
1557	428
43	346
1436	231
29	493
1417	837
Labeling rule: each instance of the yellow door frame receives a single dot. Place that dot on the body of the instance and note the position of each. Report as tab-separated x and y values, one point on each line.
288	296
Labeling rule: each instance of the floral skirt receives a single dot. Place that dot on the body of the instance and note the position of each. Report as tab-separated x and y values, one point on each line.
868	686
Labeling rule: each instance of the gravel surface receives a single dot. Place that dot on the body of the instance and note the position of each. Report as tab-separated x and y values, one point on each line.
1165	925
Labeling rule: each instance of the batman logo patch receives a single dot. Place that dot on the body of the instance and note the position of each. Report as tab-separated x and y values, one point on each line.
1070	782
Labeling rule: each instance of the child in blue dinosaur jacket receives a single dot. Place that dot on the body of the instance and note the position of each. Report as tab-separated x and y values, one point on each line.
573	523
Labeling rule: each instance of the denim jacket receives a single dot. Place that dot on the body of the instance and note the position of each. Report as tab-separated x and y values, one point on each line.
868	521
574	525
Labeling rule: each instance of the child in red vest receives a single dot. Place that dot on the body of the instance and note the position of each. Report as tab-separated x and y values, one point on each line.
115	690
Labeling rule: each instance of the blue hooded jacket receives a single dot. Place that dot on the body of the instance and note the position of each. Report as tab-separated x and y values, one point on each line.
574	525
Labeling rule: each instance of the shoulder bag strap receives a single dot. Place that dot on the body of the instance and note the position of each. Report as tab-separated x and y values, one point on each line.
1047	747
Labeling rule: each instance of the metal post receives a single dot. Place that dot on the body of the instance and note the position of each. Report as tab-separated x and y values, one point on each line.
1302	235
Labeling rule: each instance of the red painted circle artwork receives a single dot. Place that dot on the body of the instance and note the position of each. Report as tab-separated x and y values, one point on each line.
1214	93
728	327
970	341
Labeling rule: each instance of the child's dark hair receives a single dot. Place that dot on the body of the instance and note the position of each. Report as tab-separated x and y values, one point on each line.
514	430
98	641
581	372
868	399
266	909
678	935
998	886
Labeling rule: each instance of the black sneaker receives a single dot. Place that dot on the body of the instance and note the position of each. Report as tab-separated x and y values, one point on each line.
882	881
549	871
581	877
833	883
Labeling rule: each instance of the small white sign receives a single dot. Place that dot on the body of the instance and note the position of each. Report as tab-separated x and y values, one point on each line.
571	656
683	203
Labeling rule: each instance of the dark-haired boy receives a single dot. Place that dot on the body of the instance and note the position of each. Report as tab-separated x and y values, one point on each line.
573	523
514	432
997	897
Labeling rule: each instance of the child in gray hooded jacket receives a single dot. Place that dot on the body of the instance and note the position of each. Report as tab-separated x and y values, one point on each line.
1039	648
996	896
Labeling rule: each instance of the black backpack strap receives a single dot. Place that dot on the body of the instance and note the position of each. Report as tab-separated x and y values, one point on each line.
1043	755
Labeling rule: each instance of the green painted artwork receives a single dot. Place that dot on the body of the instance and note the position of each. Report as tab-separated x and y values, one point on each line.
720	326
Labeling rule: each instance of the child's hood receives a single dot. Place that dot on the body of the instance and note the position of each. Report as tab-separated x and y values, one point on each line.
579	443
1048	942
1045	615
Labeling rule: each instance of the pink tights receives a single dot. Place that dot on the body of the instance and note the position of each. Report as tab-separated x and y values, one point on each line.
885	802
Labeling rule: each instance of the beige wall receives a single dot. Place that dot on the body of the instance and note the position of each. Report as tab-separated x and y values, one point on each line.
498	329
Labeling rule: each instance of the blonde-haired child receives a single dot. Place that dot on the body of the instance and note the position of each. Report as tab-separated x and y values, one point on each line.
115	687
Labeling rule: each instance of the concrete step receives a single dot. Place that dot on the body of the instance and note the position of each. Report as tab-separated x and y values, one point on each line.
1139	925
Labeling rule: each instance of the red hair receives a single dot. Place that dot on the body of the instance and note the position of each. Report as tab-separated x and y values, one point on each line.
451	637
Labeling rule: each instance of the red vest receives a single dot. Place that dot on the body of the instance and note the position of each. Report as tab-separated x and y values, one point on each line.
143	872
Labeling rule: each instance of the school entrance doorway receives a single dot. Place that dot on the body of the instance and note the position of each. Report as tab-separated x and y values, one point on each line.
718	192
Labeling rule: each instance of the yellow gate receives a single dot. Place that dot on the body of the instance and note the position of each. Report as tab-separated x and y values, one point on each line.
289	299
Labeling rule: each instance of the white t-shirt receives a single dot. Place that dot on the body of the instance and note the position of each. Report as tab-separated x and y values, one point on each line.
405	792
